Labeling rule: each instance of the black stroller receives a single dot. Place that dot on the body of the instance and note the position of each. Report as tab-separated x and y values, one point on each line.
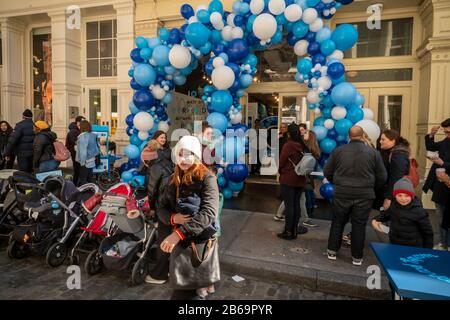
131	244
53	221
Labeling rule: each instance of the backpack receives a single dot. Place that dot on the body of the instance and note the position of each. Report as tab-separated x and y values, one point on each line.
413	172
61	152
306	165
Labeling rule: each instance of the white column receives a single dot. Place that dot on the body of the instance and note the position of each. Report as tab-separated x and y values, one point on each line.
66	71
13	72
125	43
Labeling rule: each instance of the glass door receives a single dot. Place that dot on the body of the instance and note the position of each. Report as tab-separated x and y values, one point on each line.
294	108
102	106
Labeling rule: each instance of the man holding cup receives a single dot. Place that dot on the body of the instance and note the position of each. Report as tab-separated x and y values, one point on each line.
439	154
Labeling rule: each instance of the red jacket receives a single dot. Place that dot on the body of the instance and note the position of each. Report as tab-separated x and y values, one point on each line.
294	151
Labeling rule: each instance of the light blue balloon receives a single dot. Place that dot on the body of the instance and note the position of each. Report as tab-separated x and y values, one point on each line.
318	122
323	34
237	7
312	3
127	176
132	151
217	121
197	34
133	108
179	80
170	70
304	66
153	42
221	181
277	37
227	193
302	3
360	100
168	98
251	60
250	22
355	114
338	81
164	34
342	126
320	131
215	6
146	53
236	186
327	47
246	80
245	8
344	94
327	145
141	42
206	48
300	29
134	139
327	102
221	101
215	37
203	16
345	36
161	55
144	74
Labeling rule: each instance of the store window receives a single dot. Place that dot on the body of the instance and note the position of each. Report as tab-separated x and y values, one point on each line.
394	38
1	61
390	112
380	75
42	74
101	48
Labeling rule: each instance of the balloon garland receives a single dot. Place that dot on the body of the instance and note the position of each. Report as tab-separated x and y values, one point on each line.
230	40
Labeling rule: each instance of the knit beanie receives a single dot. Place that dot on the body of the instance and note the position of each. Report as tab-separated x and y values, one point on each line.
404	185
27	113
41	125
189	143
150	152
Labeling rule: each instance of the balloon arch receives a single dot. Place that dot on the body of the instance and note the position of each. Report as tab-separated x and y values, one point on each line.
230	40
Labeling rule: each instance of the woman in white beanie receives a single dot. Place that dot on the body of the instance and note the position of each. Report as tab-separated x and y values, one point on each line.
194	259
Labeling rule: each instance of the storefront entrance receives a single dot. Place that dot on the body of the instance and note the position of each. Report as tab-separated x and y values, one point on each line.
101	105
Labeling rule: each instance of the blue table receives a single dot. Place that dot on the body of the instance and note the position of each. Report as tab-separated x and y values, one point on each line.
415	273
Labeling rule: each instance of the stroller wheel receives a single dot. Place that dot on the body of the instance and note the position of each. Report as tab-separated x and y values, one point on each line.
17	250
140	270
94	263
56	254
74	260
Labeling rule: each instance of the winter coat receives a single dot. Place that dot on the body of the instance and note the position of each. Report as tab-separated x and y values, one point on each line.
356	170
71	138
396	162
441	193
158	177
4	136
410	225
291	155
21	140
43	149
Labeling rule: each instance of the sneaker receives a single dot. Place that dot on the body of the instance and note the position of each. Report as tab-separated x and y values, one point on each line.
150	280
309	223
332	256
347	239
277	218
440	247
357	262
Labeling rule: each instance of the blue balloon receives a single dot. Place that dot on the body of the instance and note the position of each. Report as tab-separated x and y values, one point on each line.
360	100
153	42
319	59
246	80
217	121
336	70
236	186
326	112
132	151
219	48
124	167
179	80
129	120
345	36
341	138
251	60
221	181
134	139
231	149
304	66
332	134
323	34
164	34
239	20
197	34
126	176
174	36
143	99
139	180
135	55
343	126
203	16
129	131
237	172
227	193
237	50
327	191
291	39
314	48
146	53
141	42
134	85
344	94
161	55
327	145
144	75
215	6
168	98
310	37
327	47
327	102
355	114
319	122
300	29
187	11
221	101
320	131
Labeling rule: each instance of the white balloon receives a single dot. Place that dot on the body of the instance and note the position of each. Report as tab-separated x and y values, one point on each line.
265	26
163	126
143	135
277	7
237	118
329	124
338	113
230	19
237	33
219	26
313	96
325	83
368	114
215	18
293	13
223	77
310	15
218	62
301	48
143	121
317	111
256	6
158	92
371	128
337	54
179	56
220	170
192	19
327	1
203	7
316	25
227	33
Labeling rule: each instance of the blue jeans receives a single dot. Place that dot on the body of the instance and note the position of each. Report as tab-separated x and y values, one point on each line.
48	165
310	199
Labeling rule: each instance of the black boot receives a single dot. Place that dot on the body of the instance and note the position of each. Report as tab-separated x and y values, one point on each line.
287	235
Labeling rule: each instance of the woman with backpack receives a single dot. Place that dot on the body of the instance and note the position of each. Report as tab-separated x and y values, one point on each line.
43	148
87	151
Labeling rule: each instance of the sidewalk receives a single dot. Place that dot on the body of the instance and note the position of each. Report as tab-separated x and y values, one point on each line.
249	245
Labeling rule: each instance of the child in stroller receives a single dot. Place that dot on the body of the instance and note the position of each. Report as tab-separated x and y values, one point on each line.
52	221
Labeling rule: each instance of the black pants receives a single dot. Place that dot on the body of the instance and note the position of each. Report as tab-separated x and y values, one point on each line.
185	295
25	163
161	270
8	164
358	212
85	175
291	198
76	170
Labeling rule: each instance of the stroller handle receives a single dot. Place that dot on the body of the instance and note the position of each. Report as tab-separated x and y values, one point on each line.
30	186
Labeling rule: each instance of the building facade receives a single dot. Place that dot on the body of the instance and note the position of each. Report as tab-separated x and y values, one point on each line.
64	60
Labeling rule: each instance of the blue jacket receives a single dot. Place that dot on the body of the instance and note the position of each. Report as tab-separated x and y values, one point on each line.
87	149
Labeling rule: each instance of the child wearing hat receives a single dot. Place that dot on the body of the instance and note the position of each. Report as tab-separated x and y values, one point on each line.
409	222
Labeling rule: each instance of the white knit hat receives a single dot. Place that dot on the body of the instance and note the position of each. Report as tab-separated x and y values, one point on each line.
190	143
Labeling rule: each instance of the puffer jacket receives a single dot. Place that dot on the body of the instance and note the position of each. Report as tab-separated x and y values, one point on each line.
21	140
71	139
43	149
158	177
396	161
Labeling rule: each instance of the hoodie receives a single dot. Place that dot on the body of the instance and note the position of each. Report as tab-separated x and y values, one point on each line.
43	149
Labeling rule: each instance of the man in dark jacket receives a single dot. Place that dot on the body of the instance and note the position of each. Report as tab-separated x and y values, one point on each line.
356	171
71	142
441	193
20	142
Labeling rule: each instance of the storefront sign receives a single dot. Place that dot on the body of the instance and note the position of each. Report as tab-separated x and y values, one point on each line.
184	111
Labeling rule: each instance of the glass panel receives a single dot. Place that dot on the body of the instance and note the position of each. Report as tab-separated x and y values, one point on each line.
114	48
1	61
105	48
92	68
380	75
114	67
42	77
114	28
106	29
390	112
113	111
92	30
393	39
92	49
95	113
106	67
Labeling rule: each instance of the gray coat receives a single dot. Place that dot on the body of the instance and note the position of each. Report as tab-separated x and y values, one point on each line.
356	170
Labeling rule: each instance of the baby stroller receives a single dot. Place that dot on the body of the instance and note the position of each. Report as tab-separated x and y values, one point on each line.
129	245
99	226
52	223
17	188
